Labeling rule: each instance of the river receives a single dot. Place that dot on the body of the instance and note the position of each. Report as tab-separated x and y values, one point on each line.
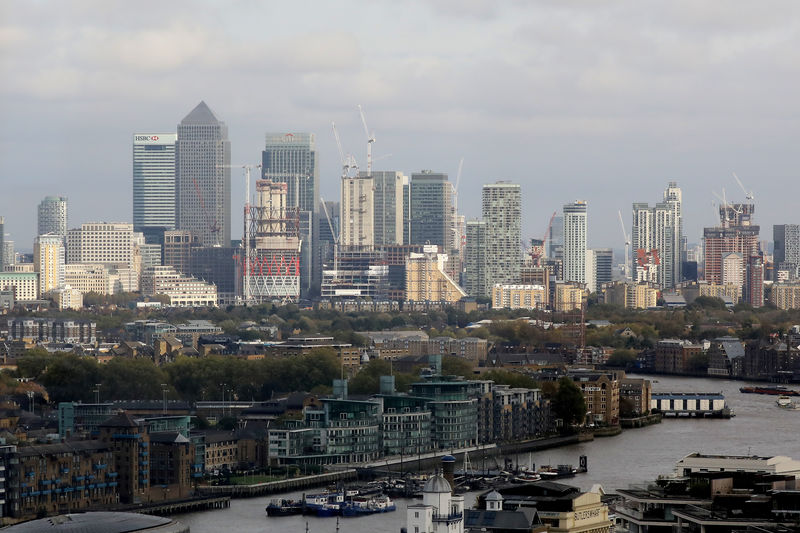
635	456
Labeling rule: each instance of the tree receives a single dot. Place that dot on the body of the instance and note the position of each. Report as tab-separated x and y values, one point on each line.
367	381
622	358
456	366
568	403
513	379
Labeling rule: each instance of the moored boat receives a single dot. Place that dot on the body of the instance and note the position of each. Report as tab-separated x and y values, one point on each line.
284	508
785	402
360	506
772	391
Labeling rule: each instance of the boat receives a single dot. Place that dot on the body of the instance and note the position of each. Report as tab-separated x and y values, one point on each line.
785	402
324	503
360	506
772	391
548	472
284	508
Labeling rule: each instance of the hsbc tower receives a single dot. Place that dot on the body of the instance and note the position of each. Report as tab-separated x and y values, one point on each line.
154	184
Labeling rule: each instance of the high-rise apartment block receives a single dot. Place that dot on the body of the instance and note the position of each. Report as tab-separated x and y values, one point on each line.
426	279
575	224
430	205
154	184
603	264
786	253
736	233
357	217
502	213
475	259
49	259
52	216
388	206
2	243
291	158
660	228
203	177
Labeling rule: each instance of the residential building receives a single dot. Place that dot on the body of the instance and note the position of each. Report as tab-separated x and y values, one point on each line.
52	330
754	281
786	252
66	297
3	260
388	206
430	208
475	259
216	265
357	216
8	254
358	274
405	425
203	177
637	394
453	407
426	279
291	158
52	216
661	228
575	226
732	269
182	290
48	260
786	295
555	239
24	284
735	233
502	214
630	295
603	264
519	296
568	297
673	356
601	394
154	184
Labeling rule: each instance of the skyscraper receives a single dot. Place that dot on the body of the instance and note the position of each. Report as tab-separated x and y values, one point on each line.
575	215
357	213
291	158
2	242
475	259
786	254
49	257
154	184
660	228
502	213
203	177
430	206
52	216
388	206
736	233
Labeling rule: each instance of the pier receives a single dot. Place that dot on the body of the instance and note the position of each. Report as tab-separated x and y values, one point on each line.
273	487
690	404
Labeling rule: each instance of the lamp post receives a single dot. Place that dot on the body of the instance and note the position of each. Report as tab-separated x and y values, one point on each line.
97	392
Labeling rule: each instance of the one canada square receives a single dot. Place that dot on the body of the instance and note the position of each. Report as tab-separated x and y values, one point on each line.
203	177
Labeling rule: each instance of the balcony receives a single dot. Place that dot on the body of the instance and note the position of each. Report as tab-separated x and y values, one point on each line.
452	517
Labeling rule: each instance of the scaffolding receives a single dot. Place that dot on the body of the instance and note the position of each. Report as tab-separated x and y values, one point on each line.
272	244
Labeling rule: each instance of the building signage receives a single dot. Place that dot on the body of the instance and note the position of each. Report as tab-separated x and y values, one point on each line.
586	515
155	138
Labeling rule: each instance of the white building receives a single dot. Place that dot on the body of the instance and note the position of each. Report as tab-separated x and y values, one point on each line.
67	298
24	284
502	213
183	291
575	224
101	242
439	512
388	205
52	216
660	228
357	212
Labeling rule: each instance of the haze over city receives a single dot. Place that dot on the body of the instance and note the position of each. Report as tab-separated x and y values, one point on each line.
604	102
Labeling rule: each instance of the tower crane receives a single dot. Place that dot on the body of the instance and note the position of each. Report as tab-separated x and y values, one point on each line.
747	195
536	258
370	141
626	236
246	237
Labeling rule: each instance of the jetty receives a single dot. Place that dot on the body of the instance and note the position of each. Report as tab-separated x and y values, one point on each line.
690	404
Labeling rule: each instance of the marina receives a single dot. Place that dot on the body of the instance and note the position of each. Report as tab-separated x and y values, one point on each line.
634	457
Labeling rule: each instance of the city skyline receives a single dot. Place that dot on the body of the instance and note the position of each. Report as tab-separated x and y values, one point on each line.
620	100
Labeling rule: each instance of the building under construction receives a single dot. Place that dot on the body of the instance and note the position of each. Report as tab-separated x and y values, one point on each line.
272	246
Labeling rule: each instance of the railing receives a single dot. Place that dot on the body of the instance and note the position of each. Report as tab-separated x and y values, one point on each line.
452	517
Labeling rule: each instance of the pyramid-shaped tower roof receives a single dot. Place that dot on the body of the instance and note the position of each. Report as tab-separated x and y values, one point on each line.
201	114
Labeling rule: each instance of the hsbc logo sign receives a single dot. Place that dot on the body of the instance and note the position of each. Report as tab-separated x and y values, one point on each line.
144	139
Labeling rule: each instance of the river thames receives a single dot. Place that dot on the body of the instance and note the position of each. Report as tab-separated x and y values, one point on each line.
636	456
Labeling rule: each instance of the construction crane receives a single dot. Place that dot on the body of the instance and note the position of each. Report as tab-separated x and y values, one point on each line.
747	195
349	164
536	257
246	237
335	236
626	236
370	141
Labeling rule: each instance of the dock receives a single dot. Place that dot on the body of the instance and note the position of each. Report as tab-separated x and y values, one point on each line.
690	404
273	487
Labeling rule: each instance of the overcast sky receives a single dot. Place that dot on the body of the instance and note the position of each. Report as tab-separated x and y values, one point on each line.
603	101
